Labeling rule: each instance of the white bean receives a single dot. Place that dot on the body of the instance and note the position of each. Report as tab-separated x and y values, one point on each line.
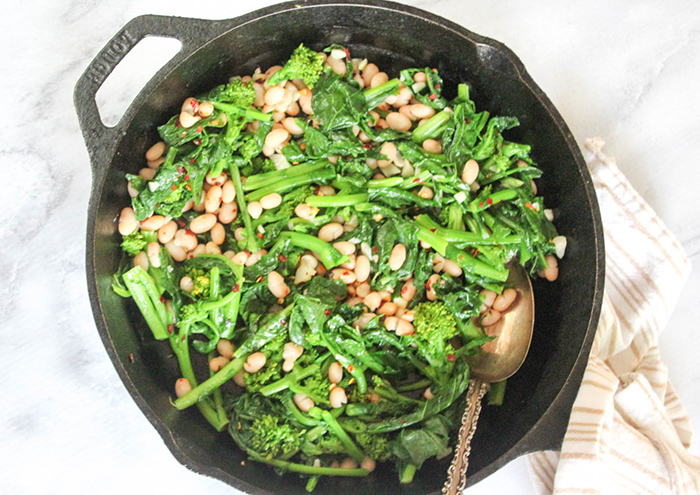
228	192
218	362
330	232
274	95
388	309
452	268
276	137
185	239
127	222
240	258
430	291
345	247
290	354
398	257
212	200
255	257
305	211
186	284
503	302
228	212
335	372
167	232
303	402
211	248
155	151
368	464
408	291
182	387
362	289
141	259
490	317
292	127
398	121
153	251
373	300
203	223
276	284
153	223
225	347
338	398
422	111
188	120
343	274
178	253
218	234
270	201
363	320
255	362
404	327
255	209
470	171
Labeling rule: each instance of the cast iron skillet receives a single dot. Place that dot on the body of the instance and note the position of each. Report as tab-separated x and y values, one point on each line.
539	397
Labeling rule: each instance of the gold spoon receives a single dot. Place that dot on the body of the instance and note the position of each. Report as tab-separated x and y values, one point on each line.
499	359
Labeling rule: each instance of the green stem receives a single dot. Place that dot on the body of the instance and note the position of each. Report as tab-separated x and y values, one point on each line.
293	377
481	204
475	266
306	469
210	385
407	473
432	128
376	96
146	296
251	238
284	185
236	111
496	393
330	256
353	450
269	178
462	237
418	385
336	201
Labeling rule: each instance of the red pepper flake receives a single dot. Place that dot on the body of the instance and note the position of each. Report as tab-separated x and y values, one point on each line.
468	121
282	258
170	329
180	222
451	358
402	421
180	170
162	299
437	86
417	179
433	230
260	236
367	146
489	201
327	312
174	187
374	249
183	338
347	53
461	258
131	357
198	142
427	285
432	97
476	251
236	288
528	205
178	124
295	163
351	381
351	368
187	176
284	322
184	134
481	204
435	70
192	160
259	279
302	146
188	187
189	232
200	128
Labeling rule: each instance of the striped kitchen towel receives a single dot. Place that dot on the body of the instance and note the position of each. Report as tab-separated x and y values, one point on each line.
628	432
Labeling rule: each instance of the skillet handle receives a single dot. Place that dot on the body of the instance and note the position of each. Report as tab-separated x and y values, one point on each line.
100	139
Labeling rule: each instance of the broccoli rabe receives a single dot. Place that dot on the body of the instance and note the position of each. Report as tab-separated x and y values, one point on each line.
273	439
202	282
435	325
236	92
136	242
304	64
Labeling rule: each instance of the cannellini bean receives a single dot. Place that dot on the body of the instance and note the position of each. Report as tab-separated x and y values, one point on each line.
239	379
186	284
240	258
408	314
503	301
229	254
304	273
127	222
388	309
271	201
326	190
292	127
228	212
389	150
338	66
218	180
391	323
141	259
330	231
188	120
452	268
203	223
274	95
362	268
218	362
276	137
199	249
368	464
488	298
154	164
432	146
255	257
408	291
378	79
345	247
385	295
228	192
551	273
167	232
438	263
190	105
155	151
290	354
239	234
130	189
428	394
225	348
363	320
210	248
404	327
205	109
363	289
212	200
397	257
398	121
338	398
303	402
276	284
373	300
305	211
218	234
153	251
369	72
559	245
470	171
490	317
255	362
406	110
430	291
178	253
153	223
422	111
343	274
186	239
426	193
335	372
182	387
255	209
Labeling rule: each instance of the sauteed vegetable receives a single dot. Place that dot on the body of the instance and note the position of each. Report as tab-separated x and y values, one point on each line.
332	243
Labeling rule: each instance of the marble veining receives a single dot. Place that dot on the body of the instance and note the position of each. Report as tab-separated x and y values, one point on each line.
625	71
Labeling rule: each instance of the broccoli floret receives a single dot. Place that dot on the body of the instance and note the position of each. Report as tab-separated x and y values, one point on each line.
235	92
452	217
269	374
434	322
136	242
304	64
201	282
375	445
270	438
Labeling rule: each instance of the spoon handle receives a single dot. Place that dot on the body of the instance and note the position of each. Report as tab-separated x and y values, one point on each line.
457	472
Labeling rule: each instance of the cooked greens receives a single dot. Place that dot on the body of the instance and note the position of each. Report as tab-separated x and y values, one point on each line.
332	242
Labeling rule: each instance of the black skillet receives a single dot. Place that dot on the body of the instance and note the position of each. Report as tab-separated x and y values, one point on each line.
539	397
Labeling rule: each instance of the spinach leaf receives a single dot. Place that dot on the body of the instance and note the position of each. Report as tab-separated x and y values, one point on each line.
336	103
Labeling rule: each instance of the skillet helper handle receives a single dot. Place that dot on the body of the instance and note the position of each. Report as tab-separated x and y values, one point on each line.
457	472
100	139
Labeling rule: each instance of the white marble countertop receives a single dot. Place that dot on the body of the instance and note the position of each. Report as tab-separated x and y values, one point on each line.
625	71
